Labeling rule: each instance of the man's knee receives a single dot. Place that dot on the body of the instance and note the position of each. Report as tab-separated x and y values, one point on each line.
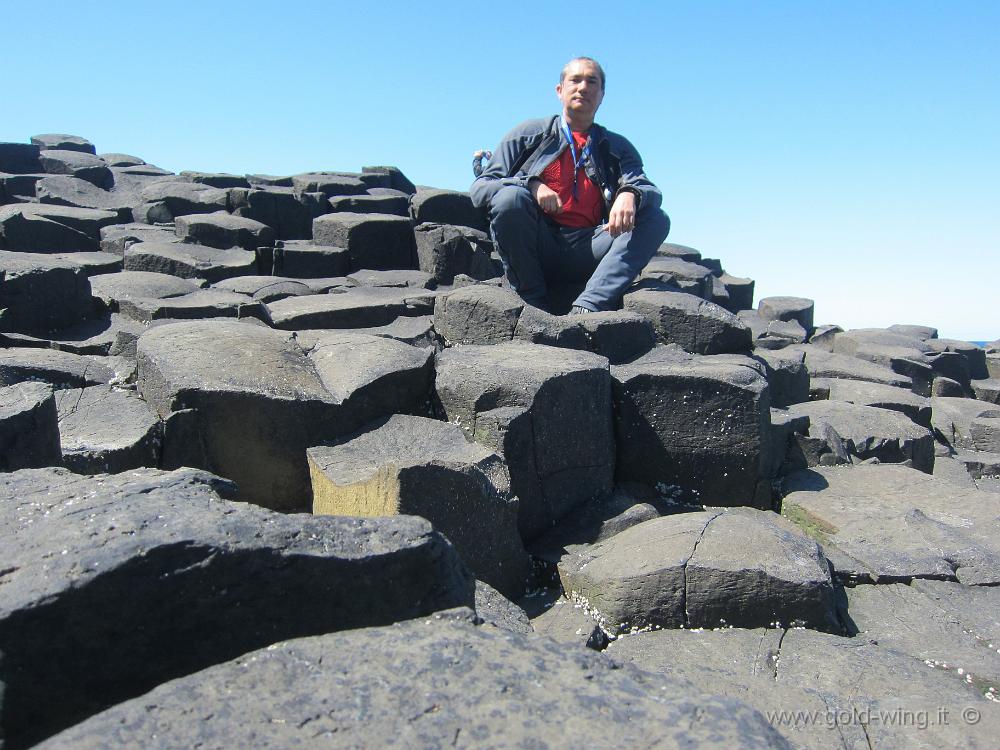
511	199
657	221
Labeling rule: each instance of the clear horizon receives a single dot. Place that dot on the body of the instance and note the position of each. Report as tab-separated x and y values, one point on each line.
844	153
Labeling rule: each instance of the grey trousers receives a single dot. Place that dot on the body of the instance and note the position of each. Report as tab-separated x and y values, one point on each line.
537	252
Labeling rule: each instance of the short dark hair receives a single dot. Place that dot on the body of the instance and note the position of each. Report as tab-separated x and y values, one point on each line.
592	61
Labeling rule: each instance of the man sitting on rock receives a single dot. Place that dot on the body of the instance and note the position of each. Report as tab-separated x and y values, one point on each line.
568	201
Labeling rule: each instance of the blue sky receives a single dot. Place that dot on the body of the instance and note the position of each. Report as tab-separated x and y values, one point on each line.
847	152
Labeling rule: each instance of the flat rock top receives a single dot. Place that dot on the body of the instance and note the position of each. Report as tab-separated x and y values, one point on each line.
136	284
850	420
673	361
864	392
20	397
60	530
522	357
346	360
16	264
402	441
186	251
352	297
231	356
435	682
220	219
350	219
52	211
899	522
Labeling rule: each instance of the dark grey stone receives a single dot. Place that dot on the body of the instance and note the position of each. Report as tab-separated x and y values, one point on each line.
497	610
683	570
203	303
985	433
666	273
106	335
264	288
895	524
304	260
822	691
398	205
739	291
870	432
41	293
121	160
64	190
787	376
701	423
377	678
354	308
597	520
47	228
61	369
190	261
328	183
987	389
63	142
76	164
547	411
106	430
163	200
397	180
673	250
974	355
445	251
772	334
799	309
116	584
216	179
376	241
113	288
947	388
916	331
93	264
417	466
116	237
917	408
478	314
259	400
823	336
223	230
392	279
446	207
824	364
29	429
288	212
952	418
697	326
370	377
980	464
19	158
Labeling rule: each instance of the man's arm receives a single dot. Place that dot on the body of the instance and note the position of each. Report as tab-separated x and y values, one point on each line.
633	177
507	159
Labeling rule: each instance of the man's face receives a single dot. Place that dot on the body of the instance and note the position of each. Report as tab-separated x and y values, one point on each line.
580	90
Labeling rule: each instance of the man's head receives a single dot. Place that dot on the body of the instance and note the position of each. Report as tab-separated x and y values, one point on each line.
581	91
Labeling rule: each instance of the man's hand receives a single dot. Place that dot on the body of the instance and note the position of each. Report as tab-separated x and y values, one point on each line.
621	218
546	198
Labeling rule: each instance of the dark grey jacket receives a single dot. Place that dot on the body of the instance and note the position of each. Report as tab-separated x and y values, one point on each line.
614	164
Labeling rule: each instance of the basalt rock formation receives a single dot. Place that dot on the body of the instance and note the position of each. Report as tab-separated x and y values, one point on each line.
284	462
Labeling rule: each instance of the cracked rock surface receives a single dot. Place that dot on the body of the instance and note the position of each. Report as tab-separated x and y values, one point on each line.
432	682
178	579
683	570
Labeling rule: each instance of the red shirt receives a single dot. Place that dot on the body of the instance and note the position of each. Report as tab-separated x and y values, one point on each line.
586	209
